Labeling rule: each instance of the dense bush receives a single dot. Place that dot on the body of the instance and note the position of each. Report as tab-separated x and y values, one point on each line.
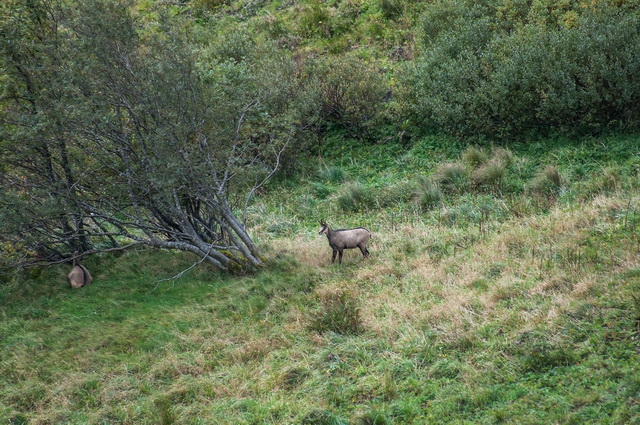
352	95
391	9
503	71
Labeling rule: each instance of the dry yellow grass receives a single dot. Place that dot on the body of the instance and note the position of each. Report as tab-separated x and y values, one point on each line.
421	284
470	287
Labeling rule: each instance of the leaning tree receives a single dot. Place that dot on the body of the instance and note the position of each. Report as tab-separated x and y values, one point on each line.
134	136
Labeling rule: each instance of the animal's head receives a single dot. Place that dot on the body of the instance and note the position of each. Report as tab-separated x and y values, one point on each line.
323	227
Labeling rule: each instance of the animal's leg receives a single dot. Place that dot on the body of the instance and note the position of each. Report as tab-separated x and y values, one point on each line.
340	256
363	249
333	258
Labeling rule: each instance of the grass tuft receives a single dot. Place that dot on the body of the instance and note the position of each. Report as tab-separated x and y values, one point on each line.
489	174
445	368
373	417
332	174
163	406
474	157
339	313
428	195
547	181
609	180
321	190
355	197
293	377
452	177
503	156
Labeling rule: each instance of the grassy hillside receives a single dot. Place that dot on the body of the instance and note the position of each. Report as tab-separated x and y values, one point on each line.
508	299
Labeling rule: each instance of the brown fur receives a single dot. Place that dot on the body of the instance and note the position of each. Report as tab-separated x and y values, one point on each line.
342	239
79	275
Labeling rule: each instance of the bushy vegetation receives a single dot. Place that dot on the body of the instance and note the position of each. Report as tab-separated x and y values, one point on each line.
270	83
507	69
479	142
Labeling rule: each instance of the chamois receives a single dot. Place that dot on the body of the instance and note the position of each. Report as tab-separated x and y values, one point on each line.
342	239
79	275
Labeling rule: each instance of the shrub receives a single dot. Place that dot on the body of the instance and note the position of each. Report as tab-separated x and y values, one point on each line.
489	174
474	157
452	177
484	73
428	194
355	197
234	46
547	181
339	313
352	95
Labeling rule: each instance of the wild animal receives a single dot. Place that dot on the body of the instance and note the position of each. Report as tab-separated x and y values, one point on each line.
79	276
342	239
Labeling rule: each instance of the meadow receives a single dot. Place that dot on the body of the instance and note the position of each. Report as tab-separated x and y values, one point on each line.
503	287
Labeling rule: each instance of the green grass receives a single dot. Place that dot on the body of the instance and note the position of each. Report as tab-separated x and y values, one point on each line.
490	307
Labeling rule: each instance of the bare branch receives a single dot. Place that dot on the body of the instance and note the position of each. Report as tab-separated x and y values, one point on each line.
259	185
